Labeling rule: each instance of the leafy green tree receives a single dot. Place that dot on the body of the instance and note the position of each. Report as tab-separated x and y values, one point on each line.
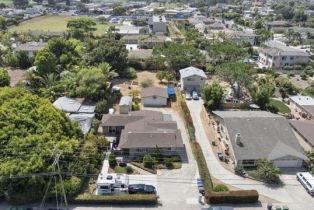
81	27
225	52
119	10
4	78
212	95
267	171
31	128
46	62
262	91
236	72
109	50
310	156
91	83
177	56
160	75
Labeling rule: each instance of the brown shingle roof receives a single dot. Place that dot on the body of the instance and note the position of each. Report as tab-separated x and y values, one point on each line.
154	91
305	128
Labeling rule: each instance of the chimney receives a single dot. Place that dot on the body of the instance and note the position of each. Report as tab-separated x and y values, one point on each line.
238	139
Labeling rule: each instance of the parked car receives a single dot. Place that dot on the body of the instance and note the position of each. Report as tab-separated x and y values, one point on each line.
307	180
188	96
195	95
141	189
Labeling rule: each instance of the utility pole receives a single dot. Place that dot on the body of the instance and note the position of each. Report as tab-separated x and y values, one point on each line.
56	171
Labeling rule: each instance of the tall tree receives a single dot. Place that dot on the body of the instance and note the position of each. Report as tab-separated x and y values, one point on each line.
82	27
46	62
236	73
212	95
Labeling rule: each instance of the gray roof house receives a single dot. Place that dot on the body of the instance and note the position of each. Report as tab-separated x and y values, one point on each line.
78	111
154	96
277	54
140	132
252	135
191	79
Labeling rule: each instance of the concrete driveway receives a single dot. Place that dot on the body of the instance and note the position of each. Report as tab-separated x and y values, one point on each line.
292	193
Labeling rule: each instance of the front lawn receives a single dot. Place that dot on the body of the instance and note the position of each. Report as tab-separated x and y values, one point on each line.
280	105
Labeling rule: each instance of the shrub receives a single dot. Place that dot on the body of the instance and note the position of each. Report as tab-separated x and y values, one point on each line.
272	108
239	170
287	68
267	172
297	67
122	164
129	170
146	83
112	161
116	199
153	171
136	106
303	75
234	197
149	161
129	73
221	188
4	78
168	163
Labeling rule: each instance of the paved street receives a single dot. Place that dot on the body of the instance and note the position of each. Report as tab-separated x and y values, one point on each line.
292	193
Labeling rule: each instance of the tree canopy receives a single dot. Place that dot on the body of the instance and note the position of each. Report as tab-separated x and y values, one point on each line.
30	129
81	27
212	95
225	52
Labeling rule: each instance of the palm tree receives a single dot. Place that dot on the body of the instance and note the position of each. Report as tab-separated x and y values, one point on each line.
108	71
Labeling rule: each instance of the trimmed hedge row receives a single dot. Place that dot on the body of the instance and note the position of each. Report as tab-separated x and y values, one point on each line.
142	167
234	197
196	149
116	199
202	166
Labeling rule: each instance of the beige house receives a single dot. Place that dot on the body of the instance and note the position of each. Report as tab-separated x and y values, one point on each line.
154	96
192	79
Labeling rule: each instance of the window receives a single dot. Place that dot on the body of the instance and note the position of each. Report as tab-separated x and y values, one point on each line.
248	162
154	97
283	58
291	58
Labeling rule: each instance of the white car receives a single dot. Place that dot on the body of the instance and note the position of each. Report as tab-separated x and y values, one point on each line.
188	96
195	95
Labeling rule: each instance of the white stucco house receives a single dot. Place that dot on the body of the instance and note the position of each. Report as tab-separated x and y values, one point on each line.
192	79
154	96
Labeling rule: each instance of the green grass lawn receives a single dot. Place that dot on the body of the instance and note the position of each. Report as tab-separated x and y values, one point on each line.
280	105
54	23
6	2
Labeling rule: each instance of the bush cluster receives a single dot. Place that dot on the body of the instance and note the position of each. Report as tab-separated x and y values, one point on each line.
116	199
234	197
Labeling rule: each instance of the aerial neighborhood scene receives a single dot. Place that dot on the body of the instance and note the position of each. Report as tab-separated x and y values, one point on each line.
156	104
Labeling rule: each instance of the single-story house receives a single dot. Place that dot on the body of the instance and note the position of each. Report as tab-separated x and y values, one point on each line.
252	135
154	96
125	105
141	132
303	104
191	79
84	120
305	133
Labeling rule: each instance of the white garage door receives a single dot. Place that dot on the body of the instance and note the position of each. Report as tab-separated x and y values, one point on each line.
288	163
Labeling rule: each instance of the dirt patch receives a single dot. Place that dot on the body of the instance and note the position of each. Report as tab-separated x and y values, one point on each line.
126	85
16	75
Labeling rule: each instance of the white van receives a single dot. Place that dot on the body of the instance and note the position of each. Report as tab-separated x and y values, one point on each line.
307	180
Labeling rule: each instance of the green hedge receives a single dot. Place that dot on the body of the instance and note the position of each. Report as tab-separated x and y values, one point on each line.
142	167
234	197
202	166
116	199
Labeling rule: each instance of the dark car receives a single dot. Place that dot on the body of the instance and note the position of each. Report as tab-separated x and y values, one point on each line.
141	189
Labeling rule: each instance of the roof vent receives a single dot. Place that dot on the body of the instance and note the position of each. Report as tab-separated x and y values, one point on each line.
238	139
